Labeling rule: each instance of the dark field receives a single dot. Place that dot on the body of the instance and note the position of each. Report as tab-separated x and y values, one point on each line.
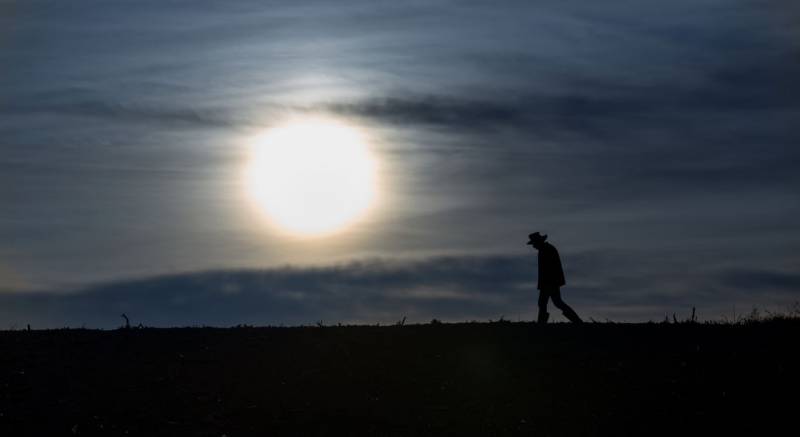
459	379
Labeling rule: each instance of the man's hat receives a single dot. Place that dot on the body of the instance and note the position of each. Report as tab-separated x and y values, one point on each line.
536	238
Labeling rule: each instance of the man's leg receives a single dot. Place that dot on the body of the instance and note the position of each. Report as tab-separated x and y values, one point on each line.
543	315
568	312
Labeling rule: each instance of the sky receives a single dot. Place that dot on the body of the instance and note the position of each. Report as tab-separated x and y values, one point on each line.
655	142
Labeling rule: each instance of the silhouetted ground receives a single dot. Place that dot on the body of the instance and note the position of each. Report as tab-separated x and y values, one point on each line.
459	380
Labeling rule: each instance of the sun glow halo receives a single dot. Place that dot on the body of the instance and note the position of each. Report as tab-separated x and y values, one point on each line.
311	176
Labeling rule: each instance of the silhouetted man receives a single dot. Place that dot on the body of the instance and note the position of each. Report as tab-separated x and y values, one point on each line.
551	278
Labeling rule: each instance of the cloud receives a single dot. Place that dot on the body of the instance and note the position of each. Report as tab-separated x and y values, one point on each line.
433	110
734	89
568	117
755	281
368	291
450	288
129	112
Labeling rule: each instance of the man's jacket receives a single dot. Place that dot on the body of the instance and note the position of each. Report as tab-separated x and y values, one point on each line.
551	275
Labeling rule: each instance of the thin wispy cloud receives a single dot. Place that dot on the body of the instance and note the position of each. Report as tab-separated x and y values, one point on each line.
667	133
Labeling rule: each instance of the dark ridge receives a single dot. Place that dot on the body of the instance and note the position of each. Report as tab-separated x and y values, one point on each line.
462	379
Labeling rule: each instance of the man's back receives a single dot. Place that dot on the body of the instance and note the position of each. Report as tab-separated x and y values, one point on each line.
551	274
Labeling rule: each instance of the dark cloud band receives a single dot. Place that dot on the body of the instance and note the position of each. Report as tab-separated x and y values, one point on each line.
449	288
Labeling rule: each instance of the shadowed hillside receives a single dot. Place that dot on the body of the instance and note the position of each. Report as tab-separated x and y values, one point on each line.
439	379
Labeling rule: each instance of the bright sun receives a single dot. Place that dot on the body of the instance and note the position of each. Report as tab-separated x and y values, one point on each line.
311	176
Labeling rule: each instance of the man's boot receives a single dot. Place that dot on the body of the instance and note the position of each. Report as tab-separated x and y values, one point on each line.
543	316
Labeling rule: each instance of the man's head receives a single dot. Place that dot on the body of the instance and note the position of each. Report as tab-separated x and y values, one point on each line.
536	239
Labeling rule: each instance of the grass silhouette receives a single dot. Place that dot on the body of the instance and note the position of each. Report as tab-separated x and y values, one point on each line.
499	378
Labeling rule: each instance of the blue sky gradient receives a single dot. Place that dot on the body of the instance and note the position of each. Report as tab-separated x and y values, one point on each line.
655	142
